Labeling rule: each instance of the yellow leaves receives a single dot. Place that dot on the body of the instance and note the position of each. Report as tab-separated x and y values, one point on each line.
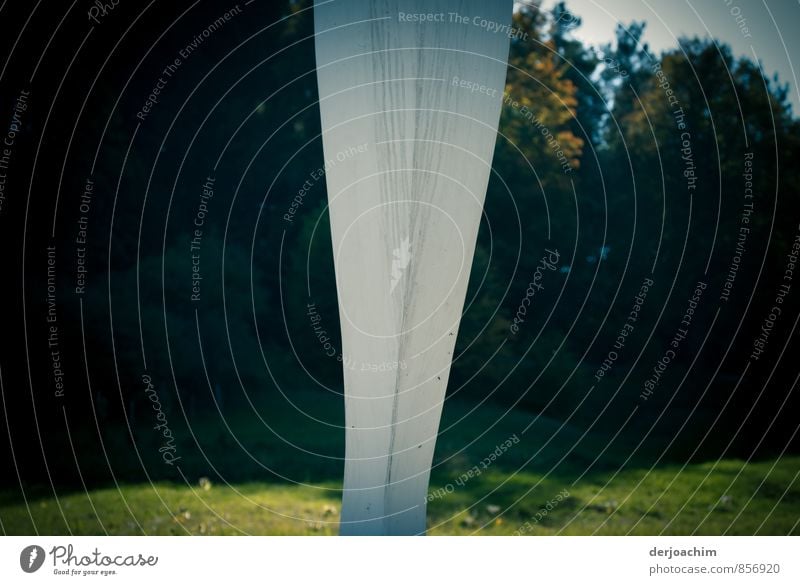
538	114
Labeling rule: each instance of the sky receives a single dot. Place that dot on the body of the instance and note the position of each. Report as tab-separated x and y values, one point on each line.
766	29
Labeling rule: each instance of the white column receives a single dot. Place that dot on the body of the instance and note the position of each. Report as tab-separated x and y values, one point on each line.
410	96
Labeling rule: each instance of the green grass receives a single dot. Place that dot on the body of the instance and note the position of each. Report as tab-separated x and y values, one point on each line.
624	506
666	500
729	496
170	509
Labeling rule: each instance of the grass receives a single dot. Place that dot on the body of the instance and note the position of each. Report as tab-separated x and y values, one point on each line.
665	501
519	492
633	502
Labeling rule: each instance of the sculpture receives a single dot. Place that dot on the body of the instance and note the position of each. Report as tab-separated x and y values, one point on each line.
410	98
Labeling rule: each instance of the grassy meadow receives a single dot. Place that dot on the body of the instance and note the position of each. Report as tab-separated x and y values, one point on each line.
555	480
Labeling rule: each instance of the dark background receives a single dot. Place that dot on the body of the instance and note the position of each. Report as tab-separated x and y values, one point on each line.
246	356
